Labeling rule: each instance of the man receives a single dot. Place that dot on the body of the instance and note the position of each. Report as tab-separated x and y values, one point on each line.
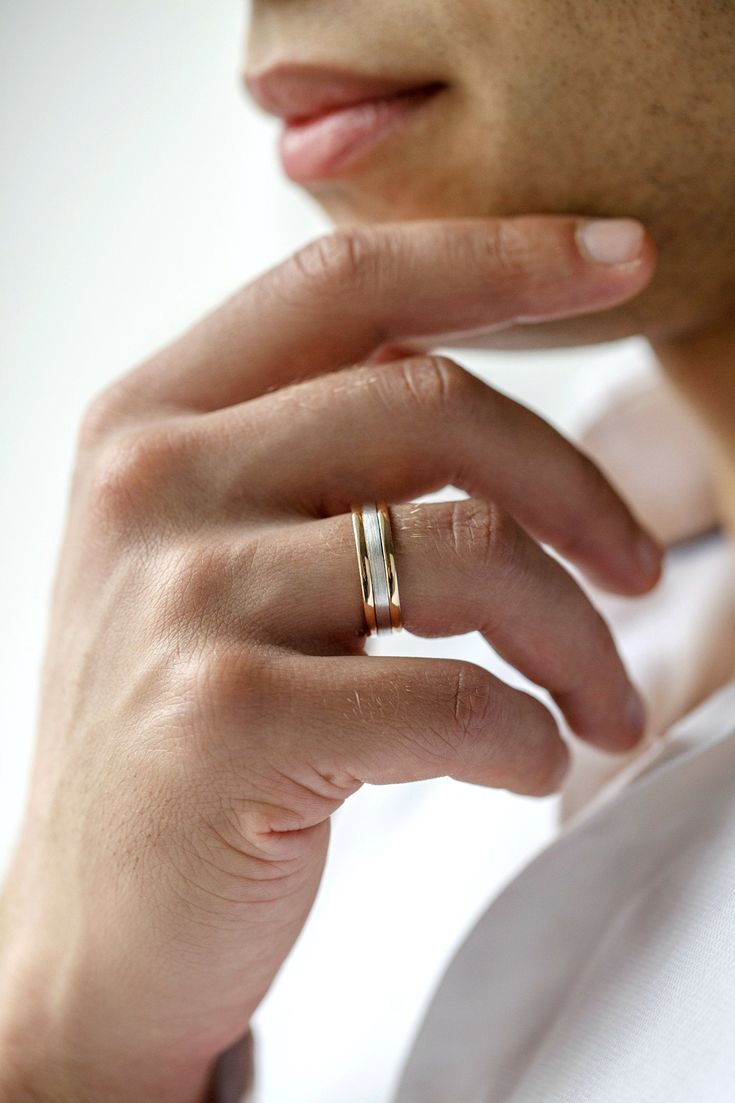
206	702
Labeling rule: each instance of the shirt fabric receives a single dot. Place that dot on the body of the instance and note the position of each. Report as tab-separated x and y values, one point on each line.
606	971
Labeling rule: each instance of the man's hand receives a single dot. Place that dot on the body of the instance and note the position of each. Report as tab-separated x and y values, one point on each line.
206	700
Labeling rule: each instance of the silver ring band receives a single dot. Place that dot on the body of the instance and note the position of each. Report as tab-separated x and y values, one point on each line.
376	561
378	572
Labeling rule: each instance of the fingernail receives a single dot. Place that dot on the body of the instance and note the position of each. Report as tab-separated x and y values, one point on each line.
611	241
648	555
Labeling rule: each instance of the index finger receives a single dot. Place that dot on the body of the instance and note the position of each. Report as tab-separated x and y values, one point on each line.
343	296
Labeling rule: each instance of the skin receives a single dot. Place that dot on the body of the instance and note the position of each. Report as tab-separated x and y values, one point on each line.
205	706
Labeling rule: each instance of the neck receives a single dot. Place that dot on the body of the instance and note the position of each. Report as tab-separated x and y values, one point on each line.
702	368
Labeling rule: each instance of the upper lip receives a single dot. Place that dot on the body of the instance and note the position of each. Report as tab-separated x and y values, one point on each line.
301	91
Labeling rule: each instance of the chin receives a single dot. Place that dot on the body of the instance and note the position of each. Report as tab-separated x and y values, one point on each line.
592	329
656	314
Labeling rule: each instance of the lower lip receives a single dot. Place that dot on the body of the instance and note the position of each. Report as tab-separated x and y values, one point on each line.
323	146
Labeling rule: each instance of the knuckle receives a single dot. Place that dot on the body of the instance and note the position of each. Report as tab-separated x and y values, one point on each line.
333	261
200	580
116	479
550	768
588	494
601	670
544	764
435	383
506	249
473	705
571	542
602	639
102	416
486	740
229	681
194	582
132	469
484	534
226	675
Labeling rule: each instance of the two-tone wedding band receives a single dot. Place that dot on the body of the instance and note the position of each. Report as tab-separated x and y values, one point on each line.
377	566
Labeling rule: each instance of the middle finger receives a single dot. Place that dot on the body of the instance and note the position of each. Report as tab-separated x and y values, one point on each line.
397	430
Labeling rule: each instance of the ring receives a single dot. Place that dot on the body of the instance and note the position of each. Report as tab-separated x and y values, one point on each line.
377	565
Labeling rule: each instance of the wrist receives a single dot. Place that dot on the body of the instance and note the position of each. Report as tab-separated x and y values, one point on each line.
52	1052
33	1070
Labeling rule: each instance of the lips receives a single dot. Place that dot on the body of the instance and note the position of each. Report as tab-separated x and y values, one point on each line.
332	117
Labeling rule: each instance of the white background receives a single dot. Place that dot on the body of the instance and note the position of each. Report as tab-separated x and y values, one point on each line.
138	188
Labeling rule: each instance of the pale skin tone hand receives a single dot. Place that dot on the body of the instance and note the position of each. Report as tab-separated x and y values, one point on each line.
206	700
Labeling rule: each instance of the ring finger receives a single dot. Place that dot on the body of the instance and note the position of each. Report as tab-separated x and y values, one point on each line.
462	566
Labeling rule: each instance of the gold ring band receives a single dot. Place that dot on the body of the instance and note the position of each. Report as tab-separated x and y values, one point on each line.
377	568
389	558
363	563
